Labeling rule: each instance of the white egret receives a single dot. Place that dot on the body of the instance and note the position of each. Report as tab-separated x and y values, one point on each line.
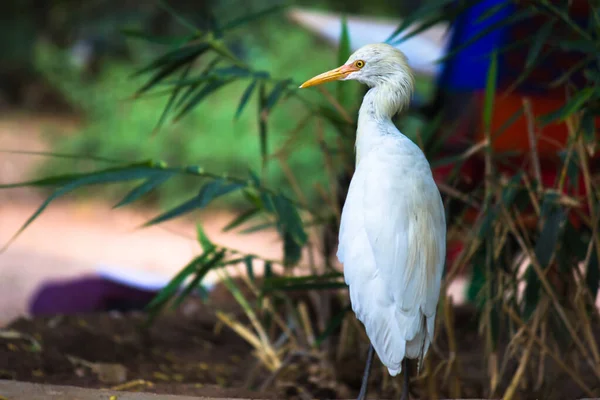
392	239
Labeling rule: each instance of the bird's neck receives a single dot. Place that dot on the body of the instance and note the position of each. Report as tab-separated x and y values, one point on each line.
379	105
384	101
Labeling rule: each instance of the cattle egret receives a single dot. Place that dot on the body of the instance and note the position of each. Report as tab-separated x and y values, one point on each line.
392	239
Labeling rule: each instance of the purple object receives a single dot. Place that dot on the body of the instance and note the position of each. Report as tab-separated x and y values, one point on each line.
88	294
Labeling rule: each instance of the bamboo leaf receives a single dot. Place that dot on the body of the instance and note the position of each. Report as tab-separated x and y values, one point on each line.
434	10
170	63
592	276
262	125
276	93
174	285
144	188
202	270
289	219
548	241
570	107
248	261
209	192
287	283
72	182
200	79
174	41
253	16
588	128
173	97
259	227
240	219
491	11
540	38
344	51
490	92
332	325
208	88
205	242
500	24
245	97
178	17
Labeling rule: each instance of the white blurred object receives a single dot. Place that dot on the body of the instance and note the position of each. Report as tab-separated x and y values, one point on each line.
422	50
140	279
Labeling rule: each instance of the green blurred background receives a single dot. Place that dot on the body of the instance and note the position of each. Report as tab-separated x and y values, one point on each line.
71	57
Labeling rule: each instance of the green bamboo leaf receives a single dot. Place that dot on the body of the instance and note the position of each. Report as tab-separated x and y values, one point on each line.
325	281
174	41
490	92
253	16
333	324
592	276
143	189
570	107
174	59
554	222
202	270
209	192
289	219
292	251
344	51
174	285
240	219
259	227
173	97
205	242
276	93
490	12
588	127
254	178
262	124
248	260
232	71
124	173
245	97
199	80
75	181
206	90
502	23
65	155
268	274
434	10
512	188
178	17
547	243
539	40
531	295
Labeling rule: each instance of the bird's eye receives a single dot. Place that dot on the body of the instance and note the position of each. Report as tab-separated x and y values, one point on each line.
359	63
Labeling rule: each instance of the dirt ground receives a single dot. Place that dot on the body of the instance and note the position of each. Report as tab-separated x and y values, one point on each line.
186	352
181	353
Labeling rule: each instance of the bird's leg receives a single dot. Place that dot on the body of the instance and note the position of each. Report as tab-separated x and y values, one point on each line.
362	395
404	395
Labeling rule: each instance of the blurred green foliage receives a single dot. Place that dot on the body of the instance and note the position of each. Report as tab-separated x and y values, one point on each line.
119	128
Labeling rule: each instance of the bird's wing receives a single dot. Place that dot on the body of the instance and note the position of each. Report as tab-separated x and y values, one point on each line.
392	244
405	224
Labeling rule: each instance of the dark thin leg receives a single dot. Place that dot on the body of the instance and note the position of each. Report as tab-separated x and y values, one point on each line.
404	395
362	395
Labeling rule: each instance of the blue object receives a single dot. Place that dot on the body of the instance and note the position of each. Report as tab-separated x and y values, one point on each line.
467	69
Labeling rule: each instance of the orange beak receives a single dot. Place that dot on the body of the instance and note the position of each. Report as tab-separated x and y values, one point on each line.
333	75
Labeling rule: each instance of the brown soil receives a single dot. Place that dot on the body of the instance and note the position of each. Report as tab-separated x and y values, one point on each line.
185	352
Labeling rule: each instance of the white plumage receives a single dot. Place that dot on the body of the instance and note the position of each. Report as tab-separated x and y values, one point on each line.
392	239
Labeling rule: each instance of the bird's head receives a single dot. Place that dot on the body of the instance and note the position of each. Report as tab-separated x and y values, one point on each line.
374	65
